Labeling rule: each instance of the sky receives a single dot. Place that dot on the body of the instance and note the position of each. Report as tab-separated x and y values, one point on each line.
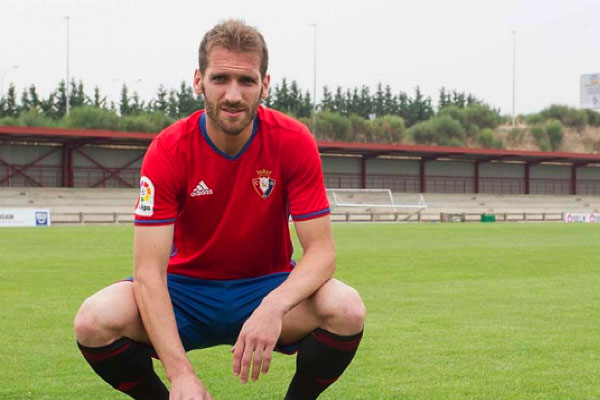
463	45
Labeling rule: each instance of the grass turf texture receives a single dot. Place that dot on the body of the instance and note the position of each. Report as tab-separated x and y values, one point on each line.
455	311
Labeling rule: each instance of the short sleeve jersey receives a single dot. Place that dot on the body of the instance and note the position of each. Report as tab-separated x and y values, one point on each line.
231	213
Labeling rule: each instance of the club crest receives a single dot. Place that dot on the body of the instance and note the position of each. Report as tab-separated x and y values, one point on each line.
263	185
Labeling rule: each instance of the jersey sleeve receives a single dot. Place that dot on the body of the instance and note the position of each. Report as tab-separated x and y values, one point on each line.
306	191
157	203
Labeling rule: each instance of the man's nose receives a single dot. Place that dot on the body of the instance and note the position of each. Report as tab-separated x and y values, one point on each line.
233	94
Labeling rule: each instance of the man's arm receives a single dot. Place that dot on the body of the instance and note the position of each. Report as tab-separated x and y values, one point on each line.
151	249
261	331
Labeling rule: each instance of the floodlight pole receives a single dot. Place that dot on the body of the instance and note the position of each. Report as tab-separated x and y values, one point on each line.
315	80
67	83
514	33
2	79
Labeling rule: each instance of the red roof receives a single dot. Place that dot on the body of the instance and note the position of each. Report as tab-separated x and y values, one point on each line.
62	135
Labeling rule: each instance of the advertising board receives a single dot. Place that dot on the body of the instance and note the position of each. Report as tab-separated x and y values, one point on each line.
589	218
19	217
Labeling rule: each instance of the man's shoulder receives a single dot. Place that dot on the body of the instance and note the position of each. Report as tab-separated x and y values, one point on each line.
179	131
280	123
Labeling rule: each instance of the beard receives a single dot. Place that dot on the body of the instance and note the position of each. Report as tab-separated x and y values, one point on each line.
231	126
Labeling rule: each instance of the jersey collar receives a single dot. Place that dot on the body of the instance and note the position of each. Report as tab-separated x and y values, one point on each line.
202	123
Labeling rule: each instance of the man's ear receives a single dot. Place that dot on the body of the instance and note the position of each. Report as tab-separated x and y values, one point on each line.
266	82
197	82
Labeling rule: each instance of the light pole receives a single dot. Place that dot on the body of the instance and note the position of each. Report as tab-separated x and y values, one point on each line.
2	79
514	33
67	110
315	80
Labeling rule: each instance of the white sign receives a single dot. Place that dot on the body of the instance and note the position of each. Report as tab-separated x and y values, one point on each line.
590	91
579	217
13	217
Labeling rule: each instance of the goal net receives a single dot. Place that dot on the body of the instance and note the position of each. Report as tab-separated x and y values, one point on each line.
375	202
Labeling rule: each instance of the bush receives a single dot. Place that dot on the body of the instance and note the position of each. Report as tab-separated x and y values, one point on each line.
389	128
454	112
441	130
8	121
548	136
568	116
422	133
486	138
532	119
145	122
515	136
593	117
473	131
91	118
31	117
359	128
480	115
332	126
554	131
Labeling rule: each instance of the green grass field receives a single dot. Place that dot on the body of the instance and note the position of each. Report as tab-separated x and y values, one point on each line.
455	311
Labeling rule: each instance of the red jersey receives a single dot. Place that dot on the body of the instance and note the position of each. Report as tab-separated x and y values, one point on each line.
231	212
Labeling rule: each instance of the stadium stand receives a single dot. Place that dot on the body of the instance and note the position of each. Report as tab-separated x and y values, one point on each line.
84	205
75	205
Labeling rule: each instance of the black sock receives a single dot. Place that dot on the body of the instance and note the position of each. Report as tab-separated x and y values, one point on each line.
322	358
126	365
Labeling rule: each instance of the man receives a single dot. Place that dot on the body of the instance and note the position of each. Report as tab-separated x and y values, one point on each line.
212	249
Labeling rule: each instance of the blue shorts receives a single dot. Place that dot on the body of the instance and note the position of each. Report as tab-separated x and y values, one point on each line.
212	312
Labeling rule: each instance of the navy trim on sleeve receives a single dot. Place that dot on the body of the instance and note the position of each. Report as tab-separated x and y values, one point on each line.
310	215
153	221
202	123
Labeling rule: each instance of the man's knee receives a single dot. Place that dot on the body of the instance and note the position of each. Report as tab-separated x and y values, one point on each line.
345	312
106	316
84	324
353	309
91	324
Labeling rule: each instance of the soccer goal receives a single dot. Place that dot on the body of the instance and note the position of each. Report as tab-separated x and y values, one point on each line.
374	204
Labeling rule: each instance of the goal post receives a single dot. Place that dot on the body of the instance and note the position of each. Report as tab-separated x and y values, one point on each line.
375	202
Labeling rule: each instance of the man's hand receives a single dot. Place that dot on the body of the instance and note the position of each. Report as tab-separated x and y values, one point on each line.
188	387
256	342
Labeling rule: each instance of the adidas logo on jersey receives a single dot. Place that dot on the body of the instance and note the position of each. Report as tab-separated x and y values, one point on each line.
201	190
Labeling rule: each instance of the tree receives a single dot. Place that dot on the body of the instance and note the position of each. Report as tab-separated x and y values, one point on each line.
306	106
339	102
419	108
172	105
137	105
76	95
47	106
379	101
187	101
124	106
444	99
98	101
327	103
390	103
61	100
365	106
10	107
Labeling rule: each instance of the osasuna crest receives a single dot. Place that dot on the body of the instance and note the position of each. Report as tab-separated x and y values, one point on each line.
263	184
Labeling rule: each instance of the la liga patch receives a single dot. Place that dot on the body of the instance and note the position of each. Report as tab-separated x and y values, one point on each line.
145	206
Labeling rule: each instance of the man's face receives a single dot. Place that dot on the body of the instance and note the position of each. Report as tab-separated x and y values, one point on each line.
232	88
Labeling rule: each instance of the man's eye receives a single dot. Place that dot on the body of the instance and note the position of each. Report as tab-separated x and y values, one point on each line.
218	78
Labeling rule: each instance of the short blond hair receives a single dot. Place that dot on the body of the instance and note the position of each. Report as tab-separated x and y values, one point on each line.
234	35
